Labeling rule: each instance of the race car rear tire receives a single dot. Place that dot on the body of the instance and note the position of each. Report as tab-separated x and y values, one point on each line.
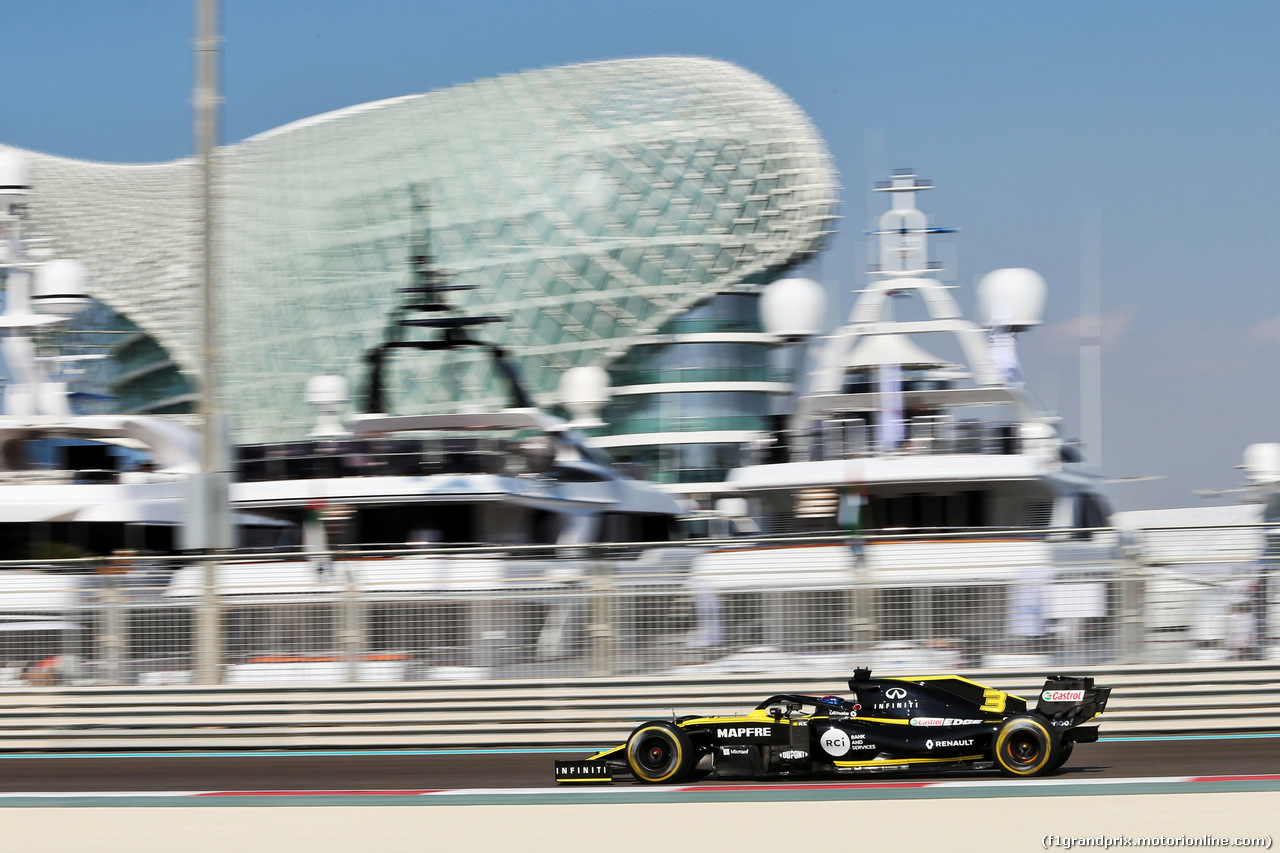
1025	746
660	751
1063	754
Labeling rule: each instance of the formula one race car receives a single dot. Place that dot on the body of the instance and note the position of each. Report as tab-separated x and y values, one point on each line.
933	722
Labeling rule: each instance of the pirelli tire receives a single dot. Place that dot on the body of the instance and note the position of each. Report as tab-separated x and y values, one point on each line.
1026	745
660	751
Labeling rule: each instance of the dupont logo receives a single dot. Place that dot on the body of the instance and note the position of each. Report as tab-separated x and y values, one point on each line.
1063	695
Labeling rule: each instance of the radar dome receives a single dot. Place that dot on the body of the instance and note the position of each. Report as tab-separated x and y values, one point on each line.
15	177
793	308
60	288
733	507
1011	298
1262	463
327	393
583	392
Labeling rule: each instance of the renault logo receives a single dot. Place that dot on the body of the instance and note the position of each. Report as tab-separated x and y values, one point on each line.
895	693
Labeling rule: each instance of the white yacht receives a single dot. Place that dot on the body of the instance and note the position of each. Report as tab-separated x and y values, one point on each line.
915	442
110	490
511	477
71	485
430	498
460	513
946	468
1210	570
516	476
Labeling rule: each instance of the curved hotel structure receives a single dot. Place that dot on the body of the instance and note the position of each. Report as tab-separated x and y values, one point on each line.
617	213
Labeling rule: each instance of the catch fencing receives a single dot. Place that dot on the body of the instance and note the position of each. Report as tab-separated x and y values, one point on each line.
1003	600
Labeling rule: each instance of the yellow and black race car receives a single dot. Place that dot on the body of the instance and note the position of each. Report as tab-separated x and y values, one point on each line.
931	722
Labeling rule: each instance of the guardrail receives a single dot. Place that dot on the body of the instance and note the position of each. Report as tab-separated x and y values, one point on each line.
1236	698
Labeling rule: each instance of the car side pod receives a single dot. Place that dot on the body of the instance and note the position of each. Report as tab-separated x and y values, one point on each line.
1025	745
660	751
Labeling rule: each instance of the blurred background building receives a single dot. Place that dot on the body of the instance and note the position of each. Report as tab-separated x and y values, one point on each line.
622	214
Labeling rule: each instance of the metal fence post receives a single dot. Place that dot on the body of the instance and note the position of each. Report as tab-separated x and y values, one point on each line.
488	631
862	615
1132	635
208	633
113	641
351	622
600	626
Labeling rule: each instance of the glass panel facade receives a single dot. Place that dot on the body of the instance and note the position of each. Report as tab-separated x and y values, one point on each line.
649	364
688	412
115	367
682	463
734	357
584	204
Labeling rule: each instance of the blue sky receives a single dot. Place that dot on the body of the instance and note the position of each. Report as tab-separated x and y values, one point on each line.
1161	119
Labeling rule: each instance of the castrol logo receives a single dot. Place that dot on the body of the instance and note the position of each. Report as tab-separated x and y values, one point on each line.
1063	695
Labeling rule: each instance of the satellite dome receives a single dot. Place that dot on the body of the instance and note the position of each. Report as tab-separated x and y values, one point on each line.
60	288
1011	298
793	308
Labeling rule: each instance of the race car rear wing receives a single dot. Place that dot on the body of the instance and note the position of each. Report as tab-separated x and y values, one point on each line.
1071	699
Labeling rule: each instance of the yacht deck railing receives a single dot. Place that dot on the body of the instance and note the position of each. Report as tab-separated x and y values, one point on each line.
924	435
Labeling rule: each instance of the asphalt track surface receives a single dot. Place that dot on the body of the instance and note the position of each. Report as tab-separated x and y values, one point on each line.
385	771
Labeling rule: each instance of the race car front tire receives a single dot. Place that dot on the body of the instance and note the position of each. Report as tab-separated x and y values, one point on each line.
660	751
1026	746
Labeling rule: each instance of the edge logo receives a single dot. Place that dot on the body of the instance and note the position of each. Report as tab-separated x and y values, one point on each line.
942	721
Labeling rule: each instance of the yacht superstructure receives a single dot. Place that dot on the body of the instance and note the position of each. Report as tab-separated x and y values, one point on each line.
417	493
941	469
515	476
908	440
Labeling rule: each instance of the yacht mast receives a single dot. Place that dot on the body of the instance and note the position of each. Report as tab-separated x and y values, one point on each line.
903	266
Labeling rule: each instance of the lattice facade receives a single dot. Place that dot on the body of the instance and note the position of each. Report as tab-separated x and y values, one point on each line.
588	205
